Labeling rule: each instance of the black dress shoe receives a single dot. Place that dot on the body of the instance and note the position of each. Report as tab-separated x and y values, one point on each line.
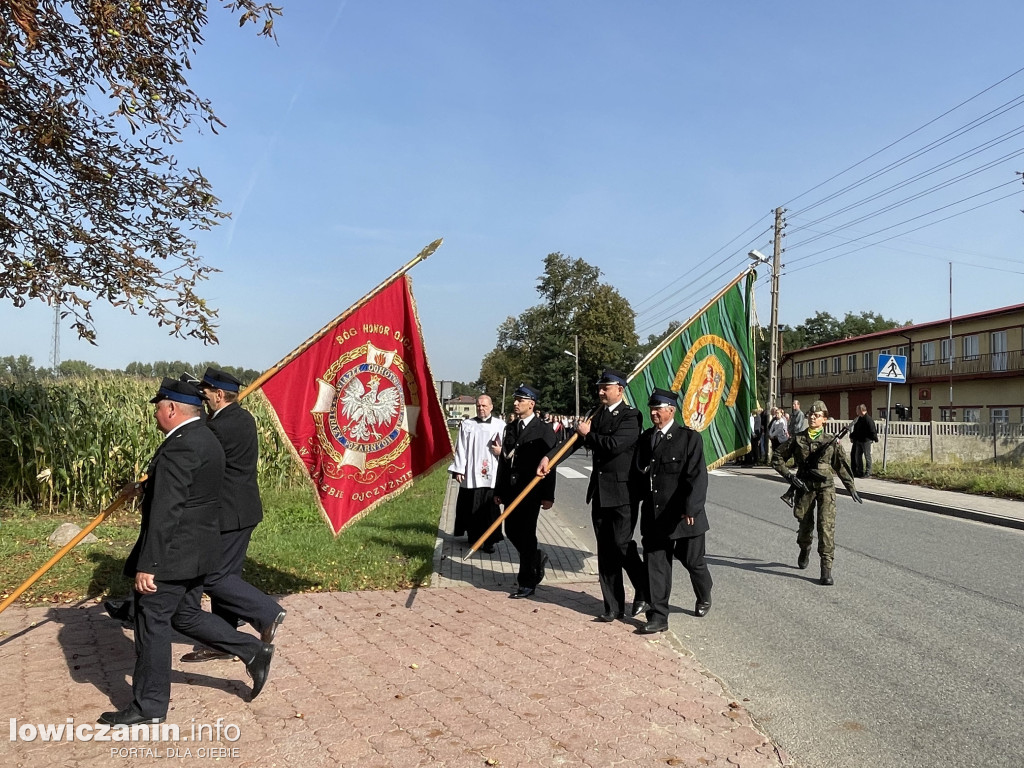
640	606
267	635
607	617
522	592
129	716
206	654
542	563
702	609
259	669
654	626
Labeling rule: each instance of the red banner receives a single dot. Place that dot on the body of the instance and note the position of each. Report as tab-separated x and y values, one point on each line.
359	406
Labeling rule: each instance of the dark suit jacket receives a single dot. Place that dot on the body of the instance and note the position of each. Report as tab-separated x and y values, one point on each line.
180	534
240	505
520	457
611	440
671	483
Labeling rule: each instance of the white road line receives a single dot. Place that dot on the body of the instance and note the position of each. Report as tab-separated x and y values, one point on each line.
569	473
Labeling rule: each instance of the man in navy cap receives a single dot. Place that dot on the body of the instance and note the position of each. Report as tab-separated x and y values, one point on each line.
231	597
526	441
669	480
178	544
610	434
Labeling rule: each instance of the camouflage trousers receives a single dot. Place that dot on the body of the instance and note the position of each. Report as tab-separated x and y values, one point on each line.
824	499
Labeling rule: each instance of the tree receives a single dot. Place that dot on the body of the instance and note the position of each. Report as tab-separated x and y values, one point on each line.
532	347
821	328
91	97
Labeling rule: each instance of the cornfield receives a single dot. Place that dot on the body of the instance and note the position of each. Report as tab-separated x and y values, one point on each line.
74	443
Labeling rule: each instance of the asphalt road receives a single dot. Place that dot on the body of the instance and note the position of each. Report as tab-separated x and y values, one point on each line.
914	658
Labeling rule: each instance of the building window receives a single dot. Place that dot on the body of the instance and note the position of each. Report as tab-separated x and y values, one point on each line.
902	351
947	414
837	367
972	415
851	363
884	352
1000	415
928	353
869	361
799	370
947	350
970	348
998	348
823	367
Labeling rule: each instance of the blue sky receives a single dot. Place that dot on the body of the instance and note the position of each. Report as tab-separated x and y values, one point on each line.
652	140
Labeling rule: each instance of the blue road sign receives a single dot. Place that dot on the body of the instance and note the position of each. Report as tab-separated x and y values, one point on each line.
892	368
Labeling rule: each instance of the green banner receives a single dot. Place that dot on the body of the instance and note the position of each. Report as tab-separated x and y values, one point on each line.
710	363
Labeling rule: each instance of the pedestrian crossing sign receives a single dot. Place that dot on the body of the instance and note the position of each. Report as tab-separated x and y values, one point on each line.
892	368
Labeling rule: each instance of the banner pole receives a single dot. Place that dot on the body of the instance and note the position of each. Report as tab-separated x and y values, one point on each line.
128	492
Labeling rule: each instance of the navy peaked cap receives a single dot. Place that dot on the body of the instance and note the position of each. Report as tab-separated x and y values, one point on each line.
611	376
221	380
526	393
660	397
179	391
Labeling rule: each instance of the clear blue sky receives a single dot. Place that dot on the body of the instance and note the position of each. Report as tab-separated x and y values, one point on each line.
651	139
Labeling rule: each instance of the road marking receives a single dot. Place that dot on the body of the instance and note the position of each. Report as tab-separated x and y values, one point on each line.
569	473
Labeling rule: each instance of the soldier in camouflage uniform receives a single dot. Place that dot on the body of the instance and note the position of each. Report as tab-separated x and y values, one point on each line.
815	457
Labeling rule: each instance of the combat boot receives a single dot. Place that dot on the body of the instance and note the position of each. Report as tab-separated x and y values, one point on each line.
804	559
826	575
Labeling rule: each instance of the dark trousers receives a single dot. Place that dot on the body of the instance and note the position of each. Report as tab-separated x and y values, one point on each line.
476	507
175	606
231	597
658	556
616	551
521	530
860	458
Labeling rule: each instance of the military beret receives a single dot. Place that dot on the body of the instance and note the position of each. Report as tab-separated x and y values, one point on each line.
179	392
525	393
611	376
662	397
221	380
818	406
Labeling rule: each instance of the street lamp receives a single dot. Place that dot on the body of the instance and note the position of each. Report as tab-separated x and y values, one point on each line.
576	357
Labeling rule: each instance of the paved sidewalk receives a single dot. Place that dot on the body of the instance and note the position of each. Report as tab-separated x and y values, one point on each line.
452	675
984	509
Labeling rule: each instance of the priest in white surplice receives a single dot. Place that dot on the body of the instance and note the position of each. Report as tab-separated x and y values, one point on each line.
474	468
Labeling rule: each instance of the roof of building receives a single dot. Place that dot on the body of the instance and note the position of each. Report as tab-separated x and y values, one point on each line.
915	326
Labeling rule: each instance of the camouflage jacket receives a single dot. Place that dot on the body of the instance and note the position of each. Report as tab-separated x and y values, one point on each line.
815	473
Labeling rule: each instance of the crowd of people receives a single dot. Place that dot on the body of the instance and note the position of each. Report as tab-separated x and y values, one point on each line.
657	478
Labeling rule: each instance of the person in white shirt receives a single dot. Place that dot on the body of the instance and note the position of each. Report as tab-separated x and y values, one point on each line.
475	470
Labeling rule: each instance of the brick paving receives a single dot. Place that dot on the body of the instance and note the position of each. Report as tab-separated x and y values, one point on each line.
451	675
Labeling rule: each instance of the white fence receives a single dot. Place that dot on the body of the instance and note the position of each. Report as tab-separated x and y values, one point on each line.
944	441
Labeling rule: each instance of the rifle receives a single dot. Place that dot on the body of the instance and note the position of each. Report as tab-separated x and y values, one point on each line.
796	483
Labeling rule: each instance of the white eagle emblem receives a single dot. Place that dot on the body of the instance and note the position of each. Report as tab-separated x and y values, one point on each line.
369	408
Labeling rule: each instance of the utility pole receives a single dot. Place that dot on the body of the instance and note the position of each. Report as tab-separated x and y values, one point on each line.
773	352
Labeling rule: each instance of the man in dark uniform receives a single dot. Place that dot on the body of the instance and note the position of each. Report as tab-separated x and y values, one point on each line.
863	433
527	440
816	457
231	597
610	435
178	544
670	483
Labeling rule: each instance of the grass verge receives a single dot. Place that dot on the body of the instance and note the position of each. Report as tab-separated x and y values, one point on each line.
1001	480
291	551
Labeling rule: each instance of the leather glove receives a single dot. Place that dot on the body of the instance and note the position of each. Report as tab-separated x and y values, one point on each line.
797	483
856	496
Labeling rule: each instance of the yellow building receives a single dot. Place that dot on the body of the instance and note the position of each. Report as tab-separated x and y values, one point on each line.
968	368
